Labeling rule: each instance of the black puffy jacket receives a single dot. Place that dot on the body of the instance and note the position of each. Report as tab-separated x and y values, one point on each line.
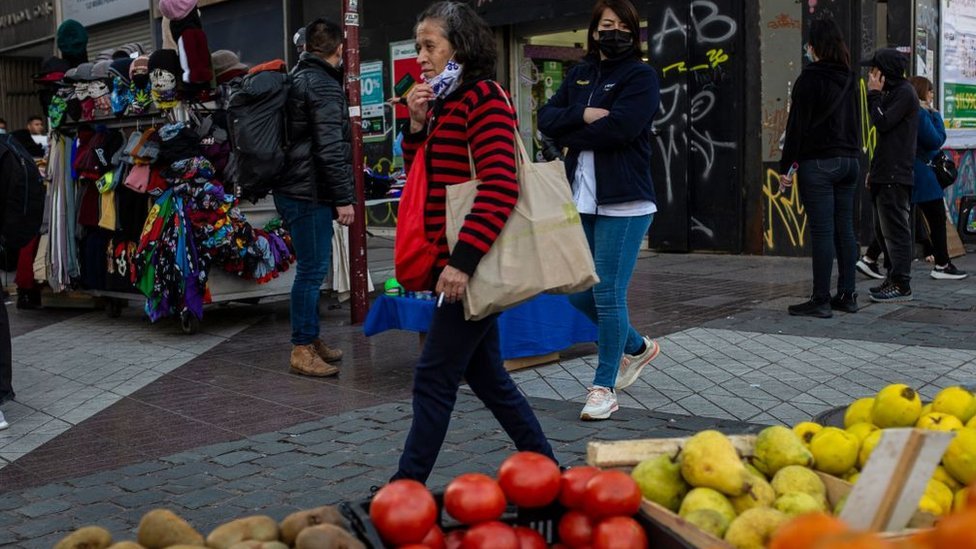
320	140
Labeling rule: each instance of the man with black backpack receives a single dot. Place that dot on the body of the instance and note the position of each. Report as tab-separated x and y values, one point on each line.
317	186
22	209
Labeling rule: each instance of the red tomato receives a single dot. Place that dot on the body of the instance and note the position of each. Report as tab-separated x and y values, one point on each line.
529	538
472	498
529	479
619	533
611	494
573	484
434	539
403	512
491	535
454	539
575	529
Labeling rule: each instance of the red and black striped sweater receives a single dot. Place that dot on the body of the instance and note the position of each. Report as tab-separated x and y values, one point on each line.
479	116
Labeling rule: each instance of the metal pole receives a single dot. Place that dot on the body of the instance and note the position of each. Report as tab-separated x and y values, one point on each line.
357	233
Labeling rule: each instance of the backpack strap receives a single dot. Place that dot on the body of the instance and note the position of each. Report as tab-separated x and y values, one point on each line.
837	102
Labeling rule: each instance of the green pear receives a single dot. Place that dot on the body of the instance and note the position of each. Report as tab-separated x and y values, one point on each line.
760	494
709	520
706	498
839	508
778	447
799	479
659	480
752	469
754	528
709	460
798	503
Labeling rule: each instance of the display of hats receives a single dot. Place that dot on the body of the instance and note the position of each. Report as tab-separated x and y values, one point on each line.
104	55
227	65
176	9
100	70
72	39
52	70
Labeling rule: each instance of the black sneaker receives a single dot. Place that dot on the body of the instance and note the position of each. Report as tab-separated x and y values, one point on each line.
869	268
846	302
949	272
812	307
892	293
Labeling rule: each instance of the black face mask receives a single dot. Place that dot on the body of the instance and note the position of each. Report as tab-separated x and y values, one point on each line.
615	43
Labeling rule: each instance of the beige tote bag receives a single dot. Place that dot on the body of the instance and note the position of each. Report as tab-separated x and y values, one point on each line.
542	247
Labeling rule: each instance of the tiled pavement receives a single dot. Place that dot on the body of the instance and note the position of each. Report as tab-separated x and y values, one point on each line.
728	351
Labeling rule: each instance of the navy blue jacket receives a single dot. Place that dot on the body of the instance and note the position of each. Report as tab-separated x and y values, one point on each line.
621	142
931	137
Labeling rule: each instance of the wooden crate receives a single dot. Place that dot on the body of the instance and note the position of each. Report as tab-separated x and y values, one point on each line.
626	454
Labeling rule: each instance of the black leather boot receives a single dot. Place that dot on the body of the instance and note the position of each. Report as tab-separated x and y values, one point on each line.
846	302
819	308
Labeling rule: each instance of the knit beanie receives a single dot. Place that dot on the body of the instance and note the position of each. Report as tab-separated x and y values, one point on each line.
227	65
167	60
128	50
120	68
72	40
176	9
140	65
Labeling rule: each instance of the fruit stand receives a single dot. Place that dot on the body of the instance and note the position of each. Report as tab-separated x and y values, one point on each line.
780	489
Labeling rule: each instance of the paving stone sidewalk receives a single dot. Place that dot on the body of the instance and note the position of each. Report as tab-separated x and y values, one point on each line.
315	463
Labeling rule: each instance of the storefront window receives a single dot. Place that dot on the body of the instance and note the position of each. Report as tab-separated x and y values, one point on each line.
927	39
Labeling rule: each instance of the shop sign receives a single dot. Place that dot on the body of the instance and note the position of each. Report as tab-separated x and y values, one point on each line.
405	72
25	20
371	93
958	71
92	12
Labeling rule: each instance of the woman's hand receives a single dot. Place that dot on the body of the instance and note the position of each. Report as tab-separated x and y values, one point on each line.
418	101
592	114
452	284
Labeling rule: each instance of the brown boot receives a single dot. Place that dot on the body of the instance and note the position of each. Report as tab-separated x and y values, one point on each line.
327	353
305	361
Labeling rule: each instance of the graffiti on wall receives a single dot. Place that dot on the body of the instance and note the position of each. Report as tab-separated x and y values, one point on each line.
785	215
692	45
965	183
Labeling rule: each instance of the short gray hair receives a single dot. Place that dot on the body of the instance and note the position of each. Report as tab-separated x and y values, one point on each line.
468	33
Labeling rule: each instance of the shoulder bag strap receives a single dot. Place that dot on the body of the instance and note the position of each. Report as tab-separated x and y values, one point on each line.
837	103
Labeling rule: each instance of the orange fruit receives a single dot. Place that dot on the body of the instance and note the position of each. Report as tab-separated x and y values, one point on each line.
854	540
805	530
957	531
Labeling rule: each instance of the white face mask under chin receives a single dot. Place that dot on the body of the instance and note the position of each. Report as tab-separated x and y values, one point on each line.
448	80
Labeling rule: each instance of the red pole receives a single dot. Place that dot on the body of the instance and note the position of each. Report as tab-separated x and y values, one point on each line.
357	233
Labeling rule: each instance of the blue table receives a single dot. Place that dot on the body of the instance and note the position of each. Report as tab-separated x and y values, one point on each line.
544	325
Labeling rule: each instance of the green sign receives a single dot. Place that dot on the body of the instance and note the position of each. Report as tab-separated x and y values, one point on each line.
960	106
371	91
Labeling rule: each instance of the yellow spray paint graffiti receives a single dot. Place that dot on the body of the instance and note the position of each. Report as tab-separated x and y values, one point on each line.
786	208
869	134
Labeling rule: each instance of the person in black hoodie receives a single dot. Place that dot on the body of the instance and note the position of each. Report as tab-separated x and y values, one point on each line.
316	188
603	113
893	108
821	138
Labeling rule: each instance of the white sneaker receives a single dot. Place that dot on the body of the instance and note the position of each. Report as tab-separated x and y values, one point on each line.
600	403
631	365
3	422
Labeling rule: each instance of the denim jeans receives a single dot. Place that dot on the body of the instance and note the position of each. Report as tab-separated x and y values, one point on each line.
310	225
456	348
892	214
614	242
827	189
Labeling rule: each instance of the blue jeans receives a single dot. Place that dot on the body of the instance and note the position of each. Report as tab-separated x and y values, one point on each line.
827	189
310	225
614	242
456	348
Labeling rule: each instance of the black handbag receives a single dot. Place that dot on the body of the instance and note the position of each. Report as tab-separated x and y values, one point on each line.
944	168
